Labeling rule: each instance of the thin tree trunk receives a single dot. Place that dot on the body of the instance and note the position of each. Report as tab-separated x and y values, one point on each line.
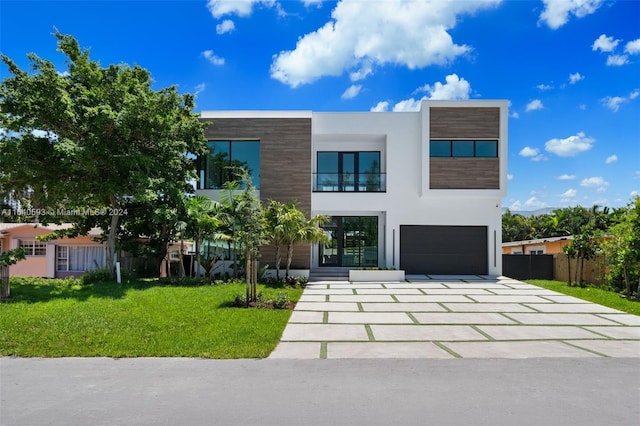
289	258
627	283
254	276
183	273
247	267
111	238
278	260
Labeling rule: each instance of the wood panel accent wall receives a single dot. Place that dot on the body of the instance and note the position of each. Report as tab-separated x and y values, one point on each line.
464	173
285	164
464	122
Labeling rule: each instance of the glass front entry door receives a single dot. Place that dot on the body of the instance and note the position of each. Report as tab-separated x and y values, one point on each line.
353	241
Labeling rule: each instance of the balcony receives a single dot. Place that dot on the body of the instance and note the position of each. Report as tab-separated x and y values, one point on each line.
349	182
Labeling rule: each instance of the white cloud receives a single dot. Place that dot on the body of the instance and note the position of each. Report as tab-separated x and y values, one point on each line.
556	12
515	114
454	88
617	60
571	146
213	59
529	152
534	105
410	104
614	102
595	182
225	26
352	91
611	159
566	177
533	202
200	88
308	3
633	194
509	177
544	87
574	78
381	106
569	193
582	107
363	34
604	43
243	8
633	47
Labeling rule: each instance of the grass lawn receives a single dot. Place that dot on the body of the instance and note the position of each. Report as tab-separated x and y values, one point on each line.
55	318
592	294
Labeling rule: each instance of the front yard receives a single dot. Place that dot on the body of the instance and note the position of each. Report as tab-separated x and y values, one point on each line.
56	318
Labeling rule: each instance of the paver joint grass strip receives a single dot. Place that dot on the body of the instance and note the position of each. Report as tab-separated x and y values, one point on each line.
585	349
446	349
325	317
410	315
323	350
369	332
475	327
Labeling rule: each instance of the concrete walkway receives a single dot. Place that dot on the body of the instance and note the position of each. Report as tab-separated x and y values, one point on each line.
452	317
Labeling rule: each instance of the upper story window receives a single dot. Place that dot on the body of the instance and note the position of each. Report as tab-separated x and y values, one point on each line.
464	148
218	166
33	247
357	171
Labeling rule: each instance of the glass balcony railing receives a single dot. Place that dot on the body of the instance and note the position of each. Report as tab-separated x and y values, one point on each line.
349	182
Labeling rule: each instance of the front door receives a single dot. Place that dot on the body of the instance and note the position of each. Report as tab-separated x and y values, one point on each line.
353	241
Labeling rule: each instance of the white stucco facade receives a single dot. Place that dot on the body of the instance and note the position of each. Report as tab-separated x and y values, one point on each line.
403	141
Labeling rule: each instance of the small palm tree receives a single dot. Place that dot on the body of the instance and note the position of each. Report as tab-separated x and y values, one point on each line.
288	226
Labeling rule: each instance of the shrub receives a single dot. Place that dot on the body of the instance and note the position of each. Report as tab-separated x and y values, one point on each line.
281	301
100	275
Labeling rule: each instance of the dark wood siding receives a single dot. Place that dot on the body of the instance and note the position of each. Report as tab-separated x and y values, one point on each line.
285	164
464	123
464	173
443	249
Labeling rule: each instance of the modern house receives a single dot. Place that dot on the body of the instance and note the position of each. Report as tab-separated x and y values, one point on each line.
419	191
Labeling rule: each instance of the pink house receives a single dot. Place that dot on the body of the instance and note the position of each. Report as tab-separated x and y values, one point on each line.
52	259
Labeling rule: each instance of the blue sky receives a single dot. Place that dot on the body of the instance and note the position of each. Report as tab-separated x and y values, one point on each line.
570	68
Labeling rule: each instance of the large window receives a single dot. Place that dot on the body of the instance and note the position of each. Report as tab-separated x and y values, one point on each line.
349	172
217	167
33	247
466	148
79	258
353	241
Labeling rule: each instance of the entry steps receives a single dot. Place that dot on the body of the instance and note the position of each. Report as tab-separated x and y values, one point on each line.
329	274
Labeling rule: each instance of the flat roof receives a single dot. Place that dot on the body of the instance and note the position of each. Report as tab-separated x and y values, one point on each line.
255	114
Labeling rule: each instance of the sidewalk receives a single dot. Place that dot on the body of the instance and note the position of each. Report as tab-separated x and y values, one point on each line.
452	317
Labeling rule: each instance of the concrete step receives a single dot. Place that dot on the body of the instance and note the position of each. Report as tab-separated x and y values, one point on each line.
329	274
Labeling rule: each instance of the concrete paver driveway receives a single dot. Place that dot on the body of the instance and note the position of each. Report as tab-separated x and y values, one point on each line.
452	317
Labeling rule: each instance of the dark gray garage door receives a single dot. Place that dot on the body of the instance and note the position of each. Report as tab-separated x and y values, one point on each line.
443	249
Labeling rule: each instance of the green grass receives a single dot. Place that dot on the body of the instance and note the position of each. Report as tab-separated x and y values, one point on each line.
55	318
592	294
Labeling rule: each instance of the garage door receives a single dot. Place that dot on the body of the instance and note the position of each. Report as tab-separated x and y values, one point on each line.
443	249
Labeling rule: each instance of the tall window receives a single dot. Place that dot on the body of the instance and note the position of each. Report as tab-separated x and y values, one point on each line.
79	258
349	172
33	247
469	148
225	156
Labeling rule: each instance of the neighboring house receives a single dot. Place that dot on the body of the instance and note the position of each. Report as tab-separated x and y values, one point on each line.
550	245
52	259
419	191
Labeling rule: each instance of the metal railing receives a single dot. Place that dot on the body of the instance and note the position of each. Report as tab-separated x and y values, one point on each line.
349	182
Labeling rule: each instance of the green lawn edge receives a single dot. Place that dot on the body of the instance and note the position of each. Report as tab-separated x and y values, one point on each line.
597	295
54	318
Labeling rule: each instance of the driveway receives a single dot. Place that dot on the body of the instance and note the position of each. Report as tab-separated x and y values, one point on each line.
453	317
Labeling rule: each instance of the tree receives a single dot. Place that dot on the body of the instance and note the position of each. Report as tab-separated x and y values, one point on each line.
8	258
94	139
203	224
288	226
623	247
